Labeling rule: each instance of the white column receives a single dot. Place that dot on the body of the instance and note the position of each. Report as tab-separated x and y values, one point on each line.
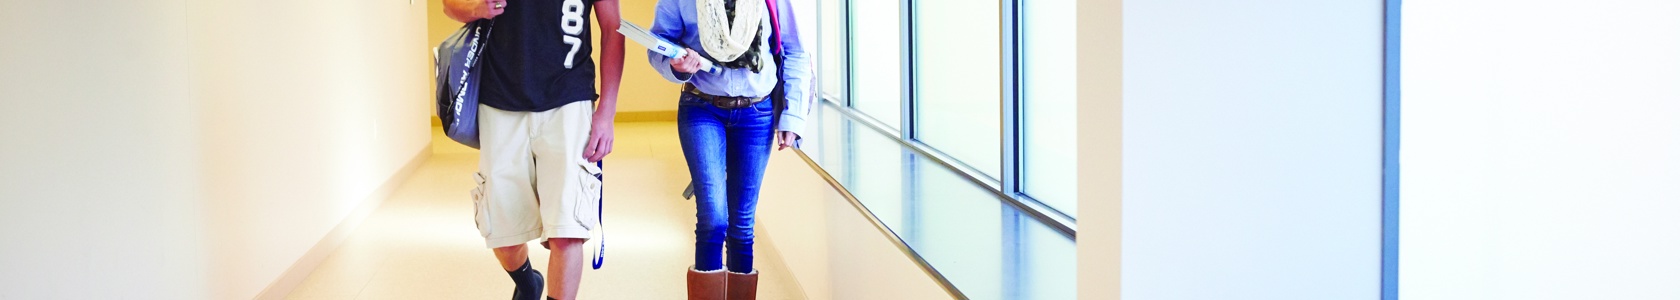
1540	152
1250	149
1099	148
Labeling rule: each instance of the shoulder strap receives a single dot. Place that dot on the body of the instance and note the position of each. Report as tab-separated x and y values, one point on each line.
775	28
778	95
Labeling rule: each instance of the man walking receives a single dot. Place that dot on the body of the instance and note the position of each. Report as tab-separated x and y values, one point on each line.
542	127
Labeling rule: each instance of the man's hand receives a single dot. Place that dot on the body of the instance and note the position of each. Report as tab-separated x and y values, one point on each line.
688	63
600	137
785	139
473	10
611	71
492	8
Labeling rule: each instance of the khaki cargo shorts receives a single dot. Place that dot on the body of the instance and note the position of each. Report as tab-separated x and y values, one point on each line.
532	179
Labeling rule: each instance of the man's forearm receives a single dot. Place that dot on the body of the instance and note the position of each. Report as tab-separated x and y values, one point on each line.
462	10
612	55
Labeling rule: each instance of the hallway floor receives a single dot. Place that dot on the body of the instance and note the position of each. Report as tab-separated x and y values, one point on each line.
422	244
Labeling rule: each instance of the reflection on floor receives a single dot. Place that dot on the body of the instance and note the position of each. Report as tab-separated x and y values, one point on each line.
421	244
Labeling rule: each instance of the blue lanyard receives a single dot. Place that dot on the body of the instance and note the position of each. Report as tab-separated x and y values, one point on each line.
601	222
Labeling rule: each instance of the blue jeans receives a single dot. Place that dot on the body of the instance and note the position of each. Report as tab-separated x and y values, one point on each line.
726	151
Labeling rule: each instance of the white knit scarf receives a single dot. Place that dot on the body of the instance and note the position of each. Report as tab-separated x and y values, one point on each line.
723	40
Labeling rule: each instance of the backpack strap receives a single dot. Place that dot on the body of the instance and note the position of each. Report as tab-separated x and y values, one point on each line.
775	29
778	95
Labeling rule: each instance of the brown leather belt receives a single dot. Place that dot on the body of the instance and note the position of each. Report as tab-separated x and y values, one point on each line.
726	102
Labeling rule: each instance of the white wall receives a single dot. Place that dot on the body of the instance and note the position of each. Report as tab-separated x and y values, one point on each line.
1252	149
197	149
1540	150
308	108
98	169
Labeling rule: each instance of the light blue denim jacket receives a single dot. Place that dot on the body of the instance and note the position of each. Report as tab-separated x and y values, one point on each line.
675	20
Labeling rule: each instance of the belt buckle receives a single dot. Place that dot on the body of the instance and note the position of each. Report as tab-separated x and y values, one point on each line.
727	102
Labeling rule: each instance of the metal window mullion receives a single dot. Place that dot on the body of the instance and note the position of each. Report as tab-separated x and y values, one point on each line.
1011	91
846	50
907	69
846	43
1009	47
907	116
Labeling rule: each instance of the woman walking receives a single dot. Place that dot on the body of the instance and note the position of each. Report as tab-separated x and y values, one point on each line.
727	118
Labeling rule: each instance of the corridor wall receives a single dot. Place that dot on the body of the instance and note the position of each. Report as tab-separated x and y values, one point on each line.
197	149
99	172
308	109
1251	149
1540	150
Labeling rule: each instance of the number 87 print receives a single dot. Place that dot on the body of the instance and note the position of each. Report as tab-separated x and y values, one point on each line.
571	23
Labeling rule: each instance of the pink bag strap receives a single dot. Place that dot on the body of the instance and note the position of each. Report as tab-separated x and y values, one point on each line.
775	25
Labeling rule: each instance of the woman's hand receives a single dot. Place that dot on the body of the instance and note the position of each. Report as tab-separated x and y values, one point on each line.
785	139
688	63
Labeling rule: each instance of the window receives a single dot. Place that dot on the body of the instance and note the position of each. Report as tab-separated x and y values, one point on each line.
952	122
958	98
1048	119
876	88
831	71
986	248
959	227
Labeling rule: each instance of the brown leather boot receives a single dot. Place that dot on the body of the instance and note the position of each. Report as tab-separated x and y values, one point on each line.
743	286
706	285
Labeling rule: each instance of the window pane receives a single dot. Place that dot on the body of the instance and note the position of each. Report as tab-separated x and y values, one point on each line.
832	139
958	102
877	175
829	31
869	164
957	227
1048	113
984	246
1048	262
875	60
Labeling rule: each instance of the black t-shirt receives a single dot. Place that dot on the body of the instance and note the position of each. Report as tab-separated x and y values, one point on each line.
538	56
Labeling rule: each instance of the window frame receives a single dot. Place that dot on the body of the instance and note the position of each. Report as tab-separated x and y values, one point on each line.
1008	187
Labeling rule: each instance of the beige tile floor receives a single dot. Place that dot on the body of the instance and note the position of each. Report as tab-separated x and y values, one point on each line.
421	243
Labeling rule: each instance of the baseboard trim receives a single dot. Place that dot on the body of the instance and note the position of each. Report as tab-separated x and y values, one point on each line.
770	251
300	270
647	116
